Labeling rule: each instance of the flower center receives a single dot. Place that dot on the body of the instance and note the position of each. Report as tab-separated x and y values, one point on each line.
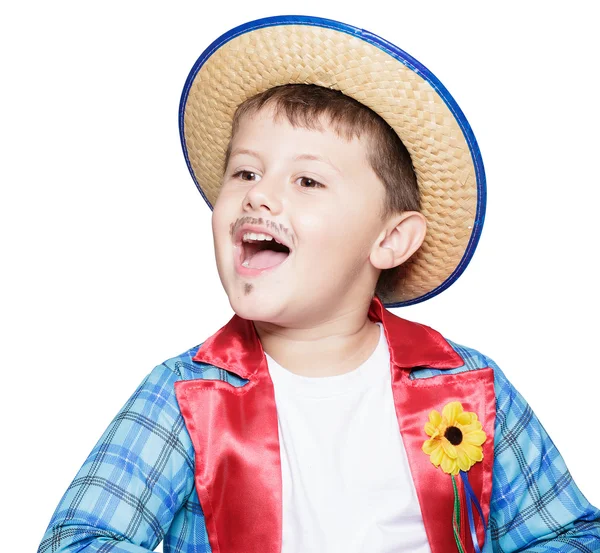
453	435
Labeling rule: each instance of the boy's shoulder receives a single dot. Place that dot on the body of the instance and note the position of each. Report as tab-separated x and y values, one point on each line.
472	359
183	367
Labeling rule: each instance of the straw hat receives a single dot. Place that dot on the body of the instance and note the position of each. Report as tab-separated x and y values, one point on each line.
279	50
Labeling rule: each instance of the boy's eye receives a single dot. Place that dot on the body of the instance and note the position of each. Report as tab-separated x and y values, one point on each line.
309	183
245	175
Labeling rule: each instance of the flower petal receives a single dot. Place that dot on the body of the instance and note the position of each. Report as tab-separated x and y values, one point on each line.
464	418
430	429
473	425
469	428
451	411
437	455
475	437
448	448
474	452
449	466
429	446
464	463
435	418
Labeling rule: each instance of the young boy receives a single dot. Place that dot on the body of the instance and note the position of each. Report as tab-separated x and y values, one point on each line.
317	420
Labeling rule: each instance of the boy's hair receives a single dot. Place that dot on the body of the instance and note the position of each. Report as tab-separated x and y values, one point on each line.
304	105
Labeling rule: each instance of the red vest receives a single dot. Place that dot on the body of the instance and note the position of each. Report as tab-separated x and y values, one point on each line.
235	436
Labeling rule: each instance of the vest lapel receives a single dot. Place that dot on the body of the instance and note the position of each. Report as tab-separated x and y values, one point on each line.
235	433
413	345
414	399
235	437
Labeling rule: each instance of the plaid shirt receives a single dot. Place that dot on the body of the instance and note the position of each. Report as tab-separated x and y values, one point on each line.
136	488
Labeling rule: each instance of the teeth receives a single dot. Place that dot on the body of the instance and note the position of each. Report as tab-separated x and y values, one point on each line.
256	236
246	263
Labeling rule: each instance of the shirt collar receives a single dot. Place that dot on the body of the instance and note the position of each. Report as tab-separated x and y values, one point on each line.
237	348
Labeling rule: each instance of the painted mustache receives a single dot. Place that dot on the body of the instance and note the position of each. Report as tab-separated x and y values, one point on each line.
276	229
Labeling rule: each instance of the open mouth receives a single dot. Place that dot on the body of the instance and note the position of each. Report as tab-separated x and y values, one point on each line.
261	254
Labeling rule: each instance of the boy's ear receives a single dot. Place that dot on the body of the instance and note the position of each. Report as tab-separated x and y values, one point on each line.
401	238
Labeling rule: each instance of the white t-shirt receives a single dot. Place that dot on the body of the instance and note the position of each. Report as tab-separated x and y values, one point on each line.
347	485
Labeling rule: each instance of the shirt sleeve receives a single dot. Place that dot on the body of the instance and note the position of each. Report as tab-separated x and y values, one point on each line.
536	506
137	477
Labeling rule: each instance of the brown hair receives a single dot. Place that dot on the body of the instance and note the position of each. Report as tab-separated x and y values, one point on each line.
304	105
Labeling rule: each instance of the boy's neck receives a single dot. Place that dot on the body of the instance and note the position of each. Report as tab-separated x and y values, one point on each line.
331	348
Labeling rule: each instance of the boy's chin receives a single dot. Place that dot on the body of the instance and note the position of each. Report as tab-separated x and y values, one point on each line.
256	307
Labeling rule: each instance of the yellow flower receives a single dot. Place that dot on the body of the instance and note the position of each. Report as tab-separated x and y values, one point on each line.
455	438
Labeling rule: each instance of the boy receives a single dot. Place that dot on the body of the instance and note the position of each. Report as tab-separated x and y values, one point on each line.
316	420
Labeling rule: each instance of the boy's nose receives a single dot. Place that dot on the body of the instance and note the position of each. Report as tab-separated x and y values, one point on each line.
265	194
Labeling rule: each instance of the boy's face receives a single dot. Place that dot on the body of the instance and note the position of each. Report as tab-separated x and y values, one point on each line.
272	182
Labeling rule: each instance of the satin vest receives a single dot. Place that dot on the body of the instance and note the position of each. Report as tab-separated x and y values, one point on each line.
235	435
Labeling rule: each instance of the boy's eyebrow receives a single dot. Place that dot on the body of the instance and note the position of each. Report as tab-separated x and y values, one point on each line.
239	151
313	157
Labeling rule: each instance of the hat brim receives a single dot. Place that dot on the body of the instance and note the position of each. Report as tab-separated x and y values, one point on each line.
264	53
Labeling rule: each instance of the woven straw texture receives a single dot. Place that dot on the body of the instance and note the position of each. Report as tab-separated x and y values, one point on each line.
271	56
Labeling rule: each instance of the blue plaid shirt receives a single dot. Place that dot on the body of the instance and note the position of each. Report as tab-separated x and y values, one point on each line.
136	488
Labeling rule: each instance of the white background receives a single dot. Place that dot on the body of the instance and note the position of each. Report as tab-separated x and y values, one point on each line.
106	250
